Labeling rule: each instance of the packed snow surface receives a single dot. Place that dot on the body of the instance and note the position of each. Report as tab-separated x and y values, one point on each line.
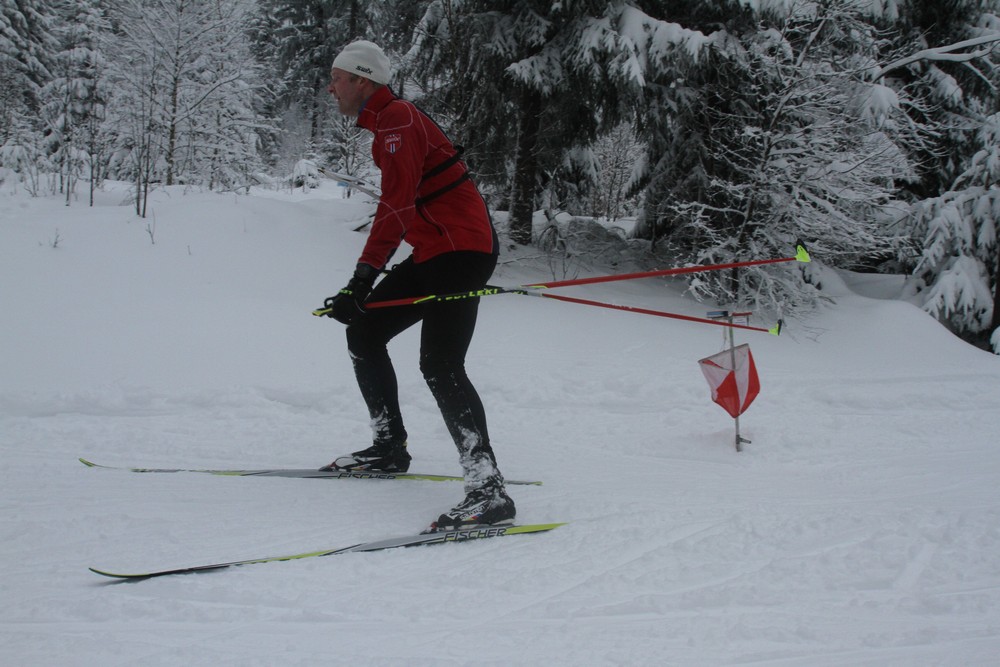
861	526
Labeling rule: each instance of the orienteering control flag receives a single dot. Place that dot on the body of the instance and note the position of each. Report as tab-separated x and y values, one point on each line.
734	385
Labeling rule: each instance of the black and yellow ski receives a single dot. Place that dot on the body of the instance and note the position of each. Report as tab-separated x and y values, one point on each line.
440	537
306	473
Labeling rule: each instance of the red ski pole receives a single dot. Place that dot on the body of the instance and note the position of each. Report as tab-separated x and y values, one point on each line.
800	256
537	289
776	330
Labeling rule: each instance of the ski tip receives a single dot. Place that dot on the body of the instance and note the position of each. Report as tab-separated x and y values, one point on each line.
540	527
113	575
89	464
776	329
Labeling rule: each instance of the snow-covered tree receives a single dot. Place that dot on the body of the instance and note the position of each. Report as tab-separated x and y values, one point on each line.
557	71
949	56
226	125
649	68
953	58
185	87
304	50
616	155
134	112
26	43
959	265
776	139
22	153
74	98
304	37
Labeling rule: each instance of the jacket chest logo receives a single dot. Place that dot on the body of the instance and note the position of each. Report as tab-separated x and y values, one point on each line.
393	142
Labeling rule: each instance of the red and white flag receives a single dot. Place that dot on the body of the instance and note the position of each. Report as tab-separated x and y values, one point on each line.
732	376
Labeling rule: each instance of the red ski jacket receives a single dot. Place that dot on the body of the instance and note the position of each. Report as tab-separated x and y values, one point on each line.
427	197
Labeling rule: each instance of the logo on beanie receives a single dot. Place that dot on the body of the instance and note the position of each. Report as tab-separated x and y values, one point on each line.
362	68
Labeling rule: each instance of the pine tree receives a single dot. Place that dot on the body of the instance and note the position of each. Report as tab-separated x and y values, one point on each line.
307	36
778	137
554	70
23	154
26	41
305	49
959	265
959	80
75	96
451	56
670	89
955	212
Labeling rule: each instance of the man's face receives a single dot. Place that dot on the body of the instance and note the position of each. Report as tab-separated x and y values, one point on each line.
350	90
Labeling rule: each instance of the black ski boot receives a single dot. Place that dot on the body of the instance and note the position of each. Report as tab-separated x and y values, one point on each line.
378	458
486	506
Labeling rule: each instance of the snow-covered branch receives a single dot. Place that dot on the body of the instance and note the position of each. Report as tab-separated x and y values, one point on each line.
981	46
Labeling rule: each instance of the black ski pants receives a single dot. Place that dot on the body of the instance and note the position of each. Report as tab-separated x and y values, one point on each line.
445	335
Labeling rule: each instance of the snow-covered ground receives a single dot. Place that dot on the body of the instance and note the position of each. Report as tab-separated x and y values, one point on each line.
860	527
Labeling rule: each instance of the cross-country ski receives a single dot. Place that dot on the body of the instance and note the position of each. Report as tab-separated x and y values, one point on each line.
303	473
440	537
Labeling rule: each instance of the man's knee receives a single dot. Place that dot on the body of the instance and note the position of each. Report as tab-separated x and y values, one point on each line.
436	370
361	341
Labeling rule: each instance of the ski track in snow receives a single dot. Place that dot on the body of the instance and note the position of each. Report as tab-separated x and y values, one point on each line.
859	527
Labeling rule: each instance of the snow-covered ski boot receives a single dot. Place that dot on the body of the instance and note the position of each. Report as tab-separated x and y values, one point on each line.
381	458
488	506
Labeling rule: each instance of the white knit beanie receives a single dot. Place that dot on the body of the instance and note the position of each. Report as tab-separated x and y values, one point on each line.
364	59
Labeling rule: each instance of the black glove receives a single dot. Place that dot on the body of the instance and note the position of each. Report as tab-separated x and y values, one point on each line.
348	305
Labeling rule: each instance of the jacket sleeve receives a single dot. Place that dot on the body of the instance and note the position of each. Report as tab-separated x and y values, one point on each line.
399	150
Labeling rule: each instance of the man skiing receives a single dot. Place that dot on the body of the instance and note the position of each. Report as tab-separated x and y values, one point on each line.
428	198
